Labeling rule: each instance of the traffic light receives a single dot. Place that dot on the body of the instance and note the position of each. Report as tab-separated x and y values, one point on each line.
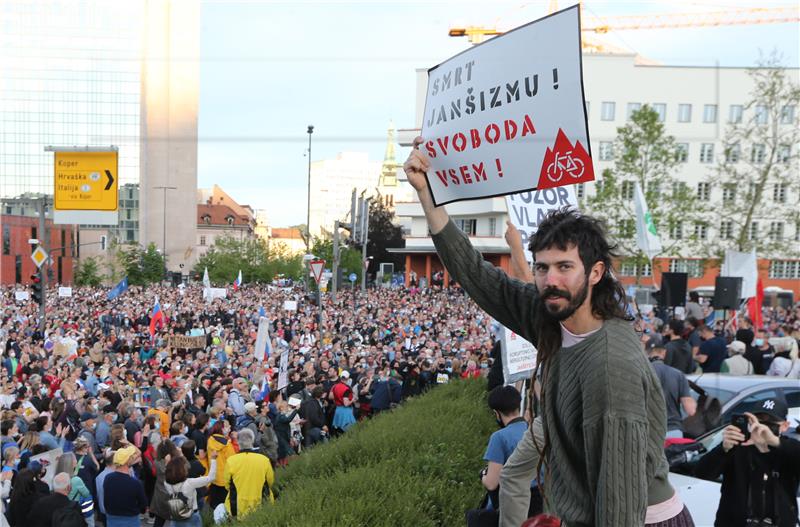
36	285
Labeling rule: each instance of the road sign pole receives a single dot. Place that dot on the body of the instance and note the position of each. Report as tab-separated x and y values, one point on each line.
365	233
334	280
42	235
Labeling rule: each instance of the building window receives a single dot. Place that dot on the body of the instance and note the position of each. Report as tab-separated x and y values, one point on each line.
735	113
733	153
784	269
676	230
684	113
492	226
728	193
682	152
6	240
787	114
762	115
679	188
626	228
779	193
627	189
710	113
693	267
632	108
753	232
629	268
580	190
469	226
758	154
726	230
701	231
203	241
704	191
654	188
606	150
776	231
661	109
784	154
607	111
707	153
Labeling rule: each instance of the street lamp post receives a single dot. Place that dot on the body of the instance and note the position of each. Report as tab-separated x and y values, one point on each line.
164	234
308	202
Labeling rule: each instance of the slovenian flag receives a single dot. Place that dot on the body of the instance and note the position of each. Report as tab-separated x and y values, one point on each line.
238	282
157	318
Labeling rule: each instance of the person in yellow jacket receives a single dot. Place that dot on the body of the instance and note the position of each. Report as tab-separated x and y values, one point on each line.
248	477
220	442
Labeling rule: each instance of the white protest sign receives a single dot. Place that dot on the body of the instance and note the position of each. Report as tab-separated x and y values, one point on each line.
290	305
283	371
20	296
263	346
65	292
48	461
526	210
210	293
519	356
509	115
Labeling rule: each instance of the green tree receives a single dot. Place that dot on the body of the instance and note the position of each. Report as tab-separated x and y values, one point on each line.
384	234
257	262
141	266
87	273
349	257
758	171
645	154
153	265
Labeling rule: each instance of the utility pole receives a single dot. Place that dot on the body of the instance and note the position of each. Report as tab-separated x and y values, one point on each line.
335	275
308	196
365	237
45	242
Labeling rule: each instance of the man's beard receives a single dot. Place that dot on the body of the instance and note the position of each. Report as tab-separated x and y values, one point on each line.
557	313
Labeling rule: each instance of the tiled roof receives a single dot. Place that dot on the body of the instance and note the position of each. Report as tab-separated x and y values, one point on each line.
287	233
218	215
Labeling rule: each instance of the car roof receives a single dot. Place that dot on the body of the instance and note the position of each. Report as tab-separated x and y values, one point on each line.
738	383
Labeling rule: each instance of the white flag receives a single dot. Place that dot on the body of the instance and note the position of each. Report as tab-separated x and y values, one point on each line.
206	280
744	265
646	236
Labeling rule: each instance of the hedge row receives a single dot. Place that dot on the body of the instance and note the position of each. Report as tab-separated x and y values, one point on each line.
417	465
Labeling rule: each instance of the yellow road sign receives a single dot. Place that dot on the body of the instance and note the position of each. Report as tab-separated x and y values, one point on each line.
39	256
86	181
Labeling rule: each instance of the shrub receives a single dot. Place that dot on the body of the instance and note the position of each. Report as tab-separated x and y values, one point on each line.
417	465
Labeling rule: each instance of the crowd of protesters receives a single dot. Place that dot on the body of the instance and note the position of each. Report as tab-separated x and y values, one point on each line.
104	423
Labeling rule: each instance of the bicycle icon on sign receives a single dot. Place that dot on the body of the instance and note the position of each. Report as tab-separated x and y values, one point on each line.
565	164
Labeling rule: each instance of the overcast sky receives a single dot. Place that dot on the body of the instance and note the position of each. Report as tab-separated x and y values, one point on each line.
269	69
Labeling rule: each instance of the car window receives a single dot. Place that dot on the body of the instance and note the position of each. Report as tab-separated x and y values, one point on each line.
792	397
749	403
723	395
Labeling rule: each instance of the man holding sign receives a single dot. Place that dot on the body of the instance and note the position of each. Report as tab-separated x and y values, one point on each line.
601	430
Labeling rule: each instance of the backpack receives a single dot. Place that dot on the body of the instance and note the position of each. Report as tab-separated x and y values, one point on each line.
68	516
178	505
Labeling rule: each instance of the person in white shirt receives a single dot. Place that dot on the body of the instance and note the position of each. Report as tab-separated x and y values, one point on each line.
736	364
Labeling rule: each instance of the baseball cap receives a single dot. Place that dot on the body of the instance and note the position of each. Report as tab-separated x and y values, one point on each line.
123	455
773	406
737	346
85	416
345	374
250	406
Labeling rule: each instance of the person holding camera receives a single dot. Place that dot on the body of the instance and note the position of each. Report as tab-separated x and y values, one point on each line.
760	469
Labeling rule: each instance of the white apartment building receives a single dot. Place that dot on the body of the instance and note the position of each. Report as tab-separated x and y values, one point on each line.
695	104
332	184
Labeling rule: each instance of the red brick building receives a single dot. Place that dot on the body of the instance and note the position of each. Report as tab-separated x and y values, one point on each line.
16	266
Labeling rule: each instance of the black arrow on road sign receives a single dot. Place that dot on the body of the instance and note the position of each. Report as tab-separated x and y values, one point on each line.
110	179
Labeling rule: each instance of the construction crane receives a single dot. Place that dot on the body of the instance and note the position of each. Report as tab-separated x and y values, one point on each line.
731	17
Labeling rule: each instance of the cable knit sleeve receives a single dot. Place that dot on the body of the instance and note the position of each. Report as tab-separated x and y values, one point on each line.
506	299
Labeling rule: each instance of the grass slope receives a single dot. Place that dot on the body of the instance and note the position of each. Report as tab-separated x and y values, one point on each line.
415	466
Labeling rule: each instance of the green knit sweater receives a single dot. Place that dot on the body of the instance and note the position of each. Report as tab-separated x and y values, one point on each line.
604	415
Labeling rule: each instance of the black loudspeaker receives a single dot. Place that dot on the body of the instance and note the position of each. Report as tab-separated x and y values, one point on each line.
176	279
673	289
727	292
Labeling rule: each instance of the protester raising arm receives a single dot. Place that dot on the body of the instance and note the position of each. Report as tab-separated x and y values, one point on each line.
519	265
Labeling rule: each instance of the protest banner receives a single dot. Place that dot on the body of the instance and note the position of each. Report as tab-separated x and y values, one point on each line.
65	292
263	346
283	371
526	210
186	342
21	296
508	115
519	356
290	305
48	461
211	293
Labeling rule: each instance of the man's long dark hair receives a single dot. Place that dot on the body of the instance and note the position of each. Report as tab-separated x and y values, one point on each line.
563	229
